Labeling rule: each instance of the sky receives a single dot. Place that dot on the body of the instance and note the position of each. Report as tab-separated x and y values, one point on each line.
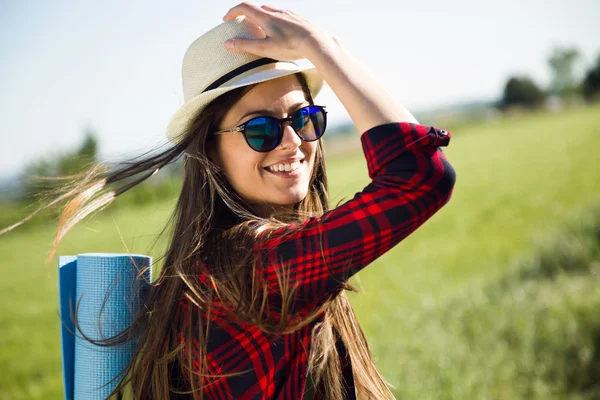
115	66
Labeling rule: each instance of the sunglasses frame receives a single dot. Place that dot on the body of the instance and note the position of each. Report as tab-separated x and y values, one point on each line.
242	128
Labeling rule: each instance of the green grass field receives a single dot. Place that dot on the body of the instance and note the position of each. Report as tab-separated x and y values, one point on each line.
439	318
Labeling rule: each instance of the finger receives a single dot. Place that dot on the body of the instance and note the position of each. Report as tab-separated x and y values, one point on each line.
276	10
269	8
248	9
256	31
253	46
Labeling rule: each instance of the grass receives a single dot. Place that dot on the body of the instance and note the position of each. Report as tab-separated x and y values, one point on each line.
535	334
520	182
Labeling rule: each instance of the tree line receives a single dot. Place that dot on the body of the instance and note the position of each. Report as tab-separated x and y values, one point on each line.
522	91
41	176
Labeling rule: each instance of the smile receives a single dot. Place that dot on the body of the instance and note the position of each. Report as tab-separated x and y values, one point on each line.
285	167
285	170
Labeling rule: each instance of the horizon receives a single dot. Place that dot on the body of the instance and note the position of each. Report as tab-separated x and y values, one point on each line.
65	71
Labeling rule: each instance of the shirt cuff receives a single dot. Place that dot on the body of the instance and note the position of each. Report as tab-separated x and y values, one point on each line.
383	143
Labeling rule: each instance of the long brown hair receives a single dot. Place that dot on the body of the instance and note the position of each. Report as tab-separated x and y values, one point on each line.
211	223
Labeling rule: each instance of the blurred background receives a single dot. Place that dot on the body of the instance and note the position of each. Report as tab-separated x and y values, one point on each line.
497	296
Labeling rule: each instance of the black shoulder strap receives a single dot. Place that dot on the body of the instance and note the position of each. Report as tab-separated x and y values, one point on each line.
346	369
309	387
348	378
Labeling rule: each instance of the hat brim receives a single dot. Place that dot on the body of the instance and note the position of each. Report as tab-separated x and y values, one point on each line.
180	122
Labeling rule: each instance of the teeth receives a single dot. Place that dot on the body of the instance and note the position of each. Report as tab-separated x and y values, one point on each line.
285	167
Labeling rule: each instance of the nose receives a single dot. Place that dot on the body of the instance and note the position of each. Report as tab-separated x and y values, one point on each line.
290	139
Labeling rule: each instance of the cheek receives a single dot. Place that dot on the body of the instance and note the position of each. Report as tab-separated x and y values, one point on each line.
311	153
241	166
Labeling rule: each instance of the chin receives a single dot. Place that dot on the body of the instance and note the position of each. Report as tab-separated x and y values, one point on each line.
289	199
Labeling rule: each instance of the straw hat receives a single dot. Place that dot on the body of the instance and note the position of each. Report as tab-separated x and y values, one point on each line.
209	70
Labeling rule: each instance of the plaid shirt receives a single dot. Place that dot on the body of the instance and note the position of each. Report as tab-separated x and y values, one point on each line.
411	181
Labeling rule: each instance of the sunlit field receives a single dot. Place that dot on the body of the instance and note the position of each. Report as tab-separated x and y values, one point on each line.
495	297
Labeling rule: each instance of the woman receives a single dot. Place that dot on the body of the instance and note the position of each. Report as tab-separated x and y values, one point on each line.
250	303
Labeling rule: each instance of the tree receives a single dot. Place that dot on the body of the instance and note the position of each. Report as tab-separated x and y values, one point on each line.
37	176
561	62
591	82
33	177
521	91
76	161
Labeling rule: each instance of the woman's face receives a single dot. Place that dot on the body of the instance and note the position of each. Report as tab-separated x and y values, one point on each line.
249	171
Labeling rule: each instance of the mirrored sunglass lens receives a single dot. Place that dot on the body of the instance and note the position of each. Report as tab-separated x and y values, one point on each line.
309	122
261	133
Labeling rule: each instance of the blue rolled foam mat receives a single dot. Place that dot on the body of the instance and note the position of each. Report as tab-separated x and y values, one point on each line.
67	267
110	289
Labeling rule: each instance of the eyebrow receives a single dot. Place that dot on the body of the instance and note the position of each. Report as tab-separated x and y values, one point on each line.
271	113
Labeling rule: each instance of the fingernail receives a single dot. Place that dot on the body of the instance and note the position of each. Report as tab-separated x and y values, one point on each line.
229	44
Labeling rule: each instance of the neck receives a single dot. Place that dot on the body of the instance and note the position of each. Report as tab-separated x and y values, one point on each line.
281	212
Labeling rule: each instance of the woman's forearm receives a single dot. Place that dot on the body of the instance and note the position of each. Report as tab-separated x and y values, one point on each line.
366	100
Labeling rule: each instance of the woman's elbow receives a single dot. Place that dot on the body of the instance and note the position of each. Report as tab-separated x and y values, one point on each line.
446	177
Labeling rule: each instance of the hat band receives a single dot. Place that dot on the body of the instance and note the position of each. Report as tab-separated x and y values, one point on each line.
238	71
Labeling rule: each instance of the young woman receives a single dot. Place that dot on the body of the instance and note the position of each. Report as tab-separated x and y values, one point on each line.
250	303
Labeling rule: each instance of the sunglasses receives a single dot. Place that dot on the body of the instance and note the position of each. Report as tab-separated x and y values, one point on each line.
264	133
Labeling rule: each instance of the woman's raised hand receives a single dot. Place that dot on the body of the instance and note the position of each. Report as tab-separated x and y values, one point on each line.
287	35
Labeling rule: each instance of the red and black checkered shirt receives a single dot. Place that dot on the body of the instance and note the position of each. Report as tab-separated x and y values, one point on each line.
411	181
